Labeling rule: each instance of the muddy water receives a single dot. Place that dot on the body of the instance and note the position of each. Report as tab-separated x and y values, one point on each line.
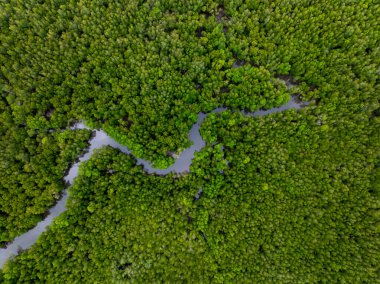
181	165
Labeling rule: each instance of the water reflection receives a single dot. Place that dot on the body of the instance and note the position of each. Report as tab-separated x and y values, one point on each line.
100	139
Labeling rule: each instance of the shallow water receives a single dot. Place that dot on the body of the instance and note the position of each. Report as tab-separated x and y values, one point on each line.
181	165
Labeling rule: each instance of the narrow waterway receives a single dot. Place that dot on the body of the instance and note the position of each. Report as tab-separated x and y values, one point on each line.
181	165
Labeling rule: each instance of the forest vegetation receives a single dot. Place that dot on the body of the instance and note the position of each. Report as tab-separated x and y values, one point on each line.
33	164
291	197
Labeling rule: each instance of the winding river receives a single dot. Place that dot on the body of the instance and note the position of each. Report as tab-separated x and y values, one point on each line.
181	165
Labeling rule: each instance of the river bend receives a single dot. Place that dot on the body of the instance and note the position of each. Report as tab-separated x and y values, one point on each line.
181	165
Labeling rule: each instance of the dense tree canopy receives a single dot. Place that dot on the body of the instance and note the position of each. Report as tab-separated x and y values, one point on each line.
33	164
297	211
292	197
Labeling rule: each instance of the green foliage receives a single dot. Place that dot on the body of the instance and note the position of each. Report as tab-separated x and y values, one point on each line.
287	214
141	72
291	197
31	171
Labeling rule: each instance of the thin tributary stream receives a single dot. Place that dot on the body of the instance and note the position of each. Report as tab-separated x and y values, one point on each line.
181	165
